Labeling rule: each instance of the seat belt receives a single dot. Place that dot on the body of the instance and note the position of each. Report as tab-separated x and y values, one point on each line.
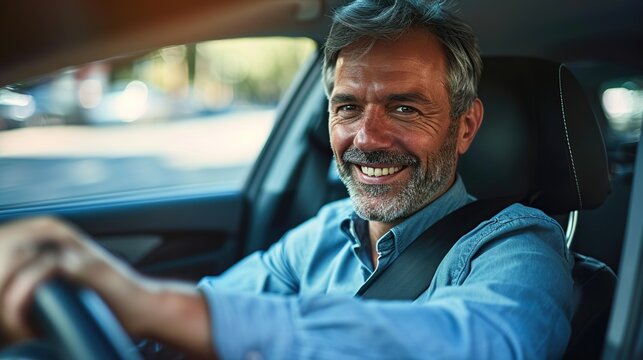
411	273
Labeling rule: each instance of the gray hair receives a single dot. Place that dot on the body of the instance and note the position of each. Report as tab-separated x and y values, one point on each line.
388	19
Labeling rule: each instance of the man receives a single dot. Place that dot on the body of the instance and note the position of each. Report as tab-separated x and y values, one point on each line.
401	77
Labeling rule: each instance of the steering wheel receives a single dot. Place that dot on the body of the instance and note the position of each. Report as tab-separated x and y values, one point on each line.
79	324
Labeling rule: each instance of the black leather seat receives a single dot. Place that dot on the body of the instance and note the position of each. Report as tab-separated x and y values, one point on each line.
594	286
540	140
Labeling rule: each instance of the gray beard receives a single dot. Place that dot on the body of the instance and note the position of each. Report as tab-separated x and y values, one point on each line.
382	202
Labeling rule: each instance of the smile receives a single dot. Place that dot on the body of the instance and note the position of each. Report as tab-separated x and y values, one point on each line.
379	171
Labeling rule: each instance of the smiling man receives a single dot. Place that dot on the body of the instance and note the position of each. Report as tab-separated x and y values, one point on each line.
401	77
392	132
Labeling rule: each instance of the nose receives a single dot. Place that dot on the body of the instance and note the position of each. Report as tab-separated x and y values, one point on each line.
374	132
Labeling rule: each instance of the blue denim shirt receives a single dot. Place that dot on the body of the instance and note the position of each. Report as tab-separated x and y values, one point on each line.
502	292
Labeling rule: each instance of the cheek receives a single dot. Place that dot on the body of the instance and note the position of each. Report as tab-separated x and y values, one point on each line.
423	149
341	138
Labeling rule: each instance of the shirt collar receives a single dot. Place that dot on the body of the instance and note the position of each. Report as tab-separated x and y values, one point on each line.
407	231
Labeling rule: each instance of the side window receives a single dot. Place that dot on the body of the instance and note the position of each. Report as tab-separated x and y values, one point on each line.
622	101
178	118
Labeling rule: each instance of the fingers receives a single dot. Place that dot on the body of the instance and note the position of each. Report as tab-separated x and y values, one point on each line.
22	240
39	230
18	294
12	262
29	253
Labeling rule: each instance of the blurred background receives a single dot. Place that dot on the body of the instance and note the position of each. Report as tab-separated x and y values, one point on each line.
181	116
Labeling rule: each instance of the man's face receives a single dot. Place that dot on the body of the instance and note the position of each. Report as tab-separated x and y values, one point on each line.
390	129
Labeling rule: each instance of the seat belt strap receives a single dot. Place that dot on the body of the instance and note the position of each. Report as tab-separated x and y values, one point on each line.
411	273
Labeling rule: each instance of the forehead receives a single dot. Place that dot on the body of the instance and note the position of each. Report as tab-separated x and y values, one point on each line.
417	56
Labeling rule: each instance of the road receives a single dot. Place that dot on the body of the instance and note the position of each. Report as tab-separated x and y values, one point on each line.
43	164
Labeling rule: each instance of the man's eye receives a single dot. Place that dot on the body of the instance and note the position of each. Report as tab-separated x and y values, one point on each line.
347	108
405	109
347	111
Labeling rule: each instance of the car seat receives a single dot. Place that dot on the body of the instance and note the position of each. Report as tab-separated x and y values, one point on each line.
540	139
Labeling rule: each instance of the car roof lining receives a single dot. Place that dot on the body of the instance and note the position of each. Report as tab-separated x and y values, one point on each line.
74	32
54	35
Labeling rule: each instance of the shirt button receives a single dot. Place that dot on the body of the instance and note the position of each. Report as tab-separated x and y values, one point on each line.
253	355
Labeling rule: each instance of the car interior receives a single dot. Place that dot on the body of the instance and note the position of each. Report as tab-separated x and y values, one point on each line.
546	136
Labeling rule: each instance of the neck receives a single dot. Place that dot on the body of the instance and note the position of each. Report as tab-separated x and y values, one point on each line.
375	231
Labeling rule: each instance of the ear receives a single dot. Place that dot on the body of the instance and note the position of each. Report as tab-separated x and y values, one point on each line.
469	124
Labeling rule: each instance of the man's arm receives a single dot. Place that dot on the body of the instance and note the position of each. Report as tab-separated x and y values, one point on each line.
507	295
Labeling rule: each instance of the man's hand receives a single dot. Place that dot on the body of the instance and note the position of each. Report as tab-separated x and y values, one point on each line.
34	250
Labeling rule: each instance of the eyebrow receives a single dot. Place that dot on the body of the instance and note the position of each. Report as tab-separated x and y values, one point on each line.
342	98
409	97
403	97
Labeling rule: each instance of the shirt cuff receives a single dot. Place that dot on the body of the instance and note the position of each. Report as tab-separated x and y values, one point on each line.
249	326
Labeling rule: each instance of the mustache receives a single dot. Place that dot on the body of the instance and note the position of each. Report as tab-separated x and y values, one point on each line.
354	155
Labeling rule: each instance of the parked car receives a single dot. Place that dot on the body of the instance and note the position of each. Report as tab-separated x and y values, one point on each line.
187	193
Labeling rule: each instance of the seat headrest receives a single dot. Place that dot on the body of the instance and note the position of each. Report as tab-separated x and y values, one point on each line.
539	138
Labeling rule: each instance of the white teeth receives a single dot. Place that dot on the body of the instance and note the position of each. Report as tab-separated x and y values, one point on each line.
376	172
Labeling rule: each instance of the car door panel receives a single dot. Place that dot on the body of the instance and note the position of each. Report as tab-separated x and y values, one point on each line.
184	237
